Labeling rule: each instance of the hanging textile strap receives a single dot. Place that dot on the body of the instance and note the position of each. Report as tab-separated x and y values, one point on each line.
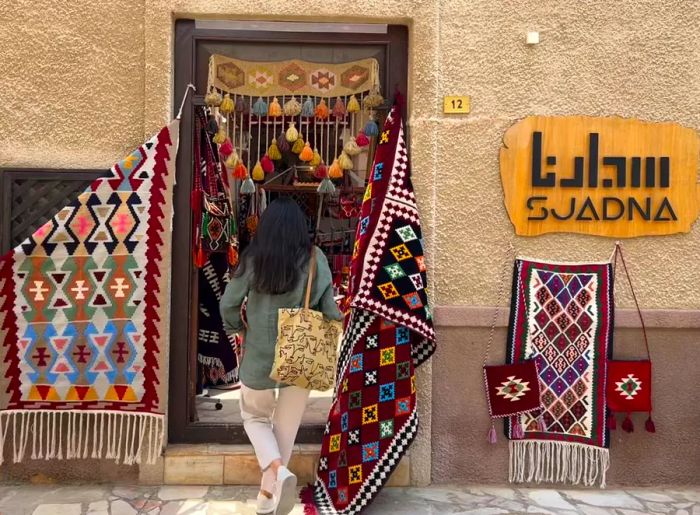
501	296
618	252
190	87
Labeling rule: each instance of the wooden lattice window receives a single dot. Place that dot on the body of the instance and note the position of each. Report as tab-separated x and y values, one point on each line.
30	198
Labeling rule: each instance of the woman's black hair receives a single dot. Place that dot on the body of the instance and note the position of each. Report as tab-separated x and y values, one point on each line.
280	246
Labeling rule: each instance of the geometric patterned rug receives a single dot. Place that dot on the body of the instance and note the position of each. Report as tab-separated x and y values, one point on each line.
389	332
561	316
82	317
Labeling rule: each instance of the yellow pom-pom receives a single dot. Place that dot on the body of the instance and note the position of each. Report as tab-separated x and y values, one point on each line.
274	152
220	136
232	160
227	104
374	98
351	148
274	109
213	98
335	171
258	172
345	162
306	154
353	105
292	134
292	107
316	159
298	146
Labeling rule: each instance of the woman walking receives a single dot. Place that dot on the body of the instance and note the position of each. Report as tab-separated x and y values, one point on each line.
273	274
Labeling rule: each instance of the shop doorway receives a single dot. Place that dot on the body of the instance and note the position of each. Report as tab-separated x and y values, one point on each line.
193	418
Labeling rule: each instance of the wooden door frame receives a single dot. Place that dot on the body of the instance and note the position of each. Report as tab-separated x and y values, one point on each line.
182	377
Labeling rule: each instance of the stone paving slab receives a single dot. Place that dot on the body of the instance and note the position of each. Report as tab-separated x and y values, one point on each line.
28	499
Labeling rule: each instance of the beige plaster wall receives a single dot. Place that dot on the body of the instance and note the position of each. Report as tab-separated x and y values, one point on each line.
81	83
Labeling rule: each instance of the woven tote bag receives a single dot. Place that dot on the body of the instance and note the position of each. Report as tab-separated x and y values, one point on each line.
306	352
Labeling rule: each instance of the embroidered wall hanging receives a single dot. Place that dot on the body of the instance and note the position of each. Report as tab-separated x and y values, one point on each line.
82	313
561	317
389	332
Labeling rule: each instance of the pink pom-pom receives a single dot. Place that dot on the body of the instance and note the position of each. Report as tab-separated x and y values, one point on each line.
267	165
226	148
362	140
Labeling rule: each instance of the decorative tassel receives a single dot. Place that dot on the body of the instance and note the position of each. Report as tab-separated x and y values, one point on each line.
212	126
275	108
258	172
292	133
335	171
306	153
492	437
274	152
248	187
518	432
362	140
200	258
196	202
345	162
374	99
226	148
322	110
298	145
282	143
227	106
339	108
326	187
292	107
649	425
351	148
240	172
541	426
220	136
627	424
232	160
371	128
241	106
308	108
612	422
232	256
213	98
353	105
267	165
316	159
260	108
321	171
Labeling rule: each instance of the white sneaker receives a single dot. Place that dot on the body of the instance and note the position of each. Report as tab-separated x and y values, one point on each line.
264	505
285	491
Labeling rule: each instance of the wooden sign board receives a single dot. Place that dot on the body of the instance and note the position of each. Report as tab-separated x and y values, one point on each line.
606	176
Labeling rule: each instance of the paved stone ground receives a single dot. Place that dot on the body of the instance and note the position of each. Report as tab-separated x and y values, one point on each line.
196	500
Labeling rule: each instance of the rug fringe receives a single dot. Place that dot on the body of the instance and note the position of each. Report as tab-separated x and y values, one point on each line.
307	499
123	437
557	462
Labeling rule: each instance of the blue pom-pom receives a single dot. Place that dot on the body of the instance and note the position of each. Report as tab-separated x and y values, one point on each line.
308	108
260	107
371	129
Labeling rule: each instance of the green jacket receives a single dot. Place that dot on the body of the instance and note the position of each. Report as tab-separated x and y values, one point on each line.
261	313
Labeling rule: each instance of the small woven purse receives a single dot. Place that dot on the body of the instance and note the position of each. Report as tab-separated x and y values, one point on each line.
628	386
511	389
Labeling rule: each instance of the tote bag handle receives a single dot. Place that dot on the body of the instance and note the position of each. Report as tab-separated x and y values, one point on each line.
309	282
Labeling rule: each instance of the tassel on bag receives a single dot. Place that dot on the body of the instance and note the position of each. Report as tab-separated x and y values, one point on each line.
232	255
353	105
518	431
326	187
227	106
274	151
339	108
213	98
260	108
627	424
649	425
292	133
200	258
275	109
335	171
231	160
258	172
220	136
308	109
226	148
374	98
344	161
240	172
267	165
248	187
298	146
316	159
306	153
351	148
321	171
362	140
322	110
491	436
292	107
371	128
282	143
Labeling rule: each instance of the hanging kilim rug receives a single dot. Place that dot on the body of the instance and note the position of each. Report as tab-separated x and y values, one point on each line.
561	315
82	313
389	332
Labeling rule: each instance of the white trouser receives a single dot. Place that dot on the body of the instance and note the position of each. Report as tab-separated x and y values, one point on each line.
272	426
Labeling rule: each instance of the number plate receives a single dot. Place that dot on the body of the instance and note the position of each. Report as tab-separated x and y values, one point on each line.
456	105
